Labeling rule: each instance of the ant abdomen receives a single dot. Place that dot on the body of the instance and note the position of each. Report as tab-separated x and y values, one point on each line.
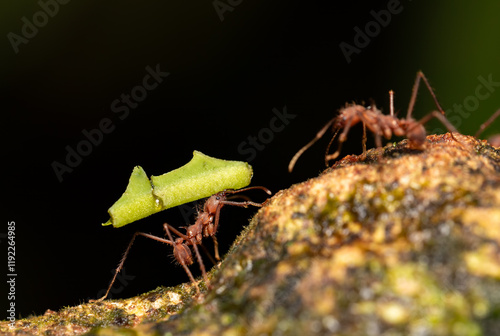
183	254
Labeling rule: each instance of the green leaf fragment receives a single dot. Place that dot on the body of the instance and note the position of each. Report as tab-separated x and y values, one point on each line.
136	202
201	177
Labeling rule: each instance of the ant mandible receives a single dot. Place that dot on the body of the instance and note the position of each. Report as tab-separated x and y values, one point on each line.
380	124
206	225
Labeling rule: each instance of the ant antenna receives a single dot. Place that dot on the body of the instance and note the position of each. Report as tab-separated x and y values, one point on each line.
391	102
327	157
231	191
309	144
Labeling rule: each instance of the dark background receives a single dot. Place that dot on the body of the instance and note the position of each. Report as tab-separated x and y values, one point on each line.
227	74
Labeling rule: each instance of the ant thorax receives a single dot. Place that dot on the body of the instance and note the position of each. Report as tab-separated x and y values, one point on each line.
204	217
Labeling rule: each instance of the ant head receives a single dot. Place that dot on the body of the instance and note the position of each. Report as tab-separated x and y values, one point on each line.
351	113
215	201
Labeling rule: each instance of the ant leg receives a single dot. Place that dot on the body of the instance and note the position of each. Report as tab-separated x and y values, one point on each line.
118	269
445	122
244	204
441	118
420	75
309	144
200	262
212	260
193	242
487	123
363	142
216	224
191	277
240	204
378	140
181	261
216	248
167	227
122	261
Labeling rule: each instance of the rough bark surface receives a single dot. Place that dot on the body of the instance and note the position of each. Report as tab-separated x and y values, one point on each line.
399	242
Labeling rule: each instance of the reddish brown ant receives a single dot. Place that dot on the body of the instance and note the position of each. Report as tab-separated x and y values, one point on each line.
206	225
379	124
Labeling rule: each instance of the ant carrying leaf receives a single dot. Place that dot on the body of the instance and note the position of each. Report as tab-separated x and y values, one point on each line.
199	178
206	225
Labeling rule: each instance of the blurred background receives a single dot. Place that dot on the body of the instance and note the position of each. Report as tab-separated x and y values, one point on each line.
149	82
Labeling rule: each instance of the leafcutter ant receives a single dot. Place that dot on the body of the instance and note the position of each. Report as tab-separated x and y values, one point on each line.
379	124
206	225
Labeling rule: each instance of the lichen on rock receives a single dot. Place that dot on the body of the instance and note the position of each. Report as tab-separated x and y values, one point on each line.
395	242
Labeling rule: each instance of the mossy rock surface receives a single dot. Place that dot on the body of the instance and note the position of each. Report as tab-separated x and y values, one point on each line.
399	242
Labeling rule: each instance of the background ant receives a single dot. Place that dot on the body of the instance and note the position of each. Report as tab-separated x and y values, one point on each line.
380	124
206	224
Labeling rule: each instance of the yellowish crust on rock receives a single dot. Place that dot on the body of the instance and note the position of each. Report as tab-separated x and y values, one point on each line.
398	242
